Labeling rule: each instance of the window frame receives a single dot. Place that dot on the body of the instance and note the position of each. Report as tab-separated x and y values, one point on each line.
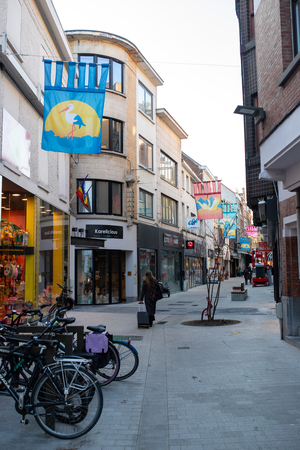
174	169
296	26
110	135
93	202
144	111
145	152
146	194
173	204
110	63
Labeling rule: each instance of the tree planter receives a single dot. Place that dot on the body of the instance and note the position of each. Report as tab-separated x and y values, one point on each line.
239	295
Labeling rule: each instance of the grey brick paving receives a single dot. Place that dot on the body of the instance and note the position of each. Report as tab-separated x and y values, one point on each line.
197	388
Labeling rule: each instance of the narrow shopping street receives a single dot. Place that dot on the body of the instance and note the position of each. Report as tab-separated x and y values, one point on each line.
196	388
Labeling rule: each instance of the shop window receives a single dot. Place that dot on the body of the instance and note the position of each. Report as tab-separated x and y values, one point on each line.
147	262
168	169
145	153
115	72
169	210
145	101
145	204
98	276
104	197
112	135
53	251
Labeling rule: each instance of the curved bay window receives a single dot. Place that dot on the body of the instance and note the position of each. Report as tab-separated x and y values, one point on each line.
104	197
115	72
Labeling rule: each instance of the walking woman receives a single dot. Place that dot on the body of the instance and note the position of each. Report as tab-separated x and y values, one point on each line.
151	293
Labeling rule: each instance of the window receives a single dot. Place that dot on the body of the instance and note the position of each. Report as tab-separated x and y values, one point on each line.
115	71
168	169
146	204
182	179
187	183
145	101
145	153
296	25
104	197
251	19
168	211
112	135
192	186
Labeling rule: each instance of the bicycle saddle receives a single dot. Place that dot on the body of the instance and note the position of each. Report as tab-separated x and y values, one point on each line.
97	329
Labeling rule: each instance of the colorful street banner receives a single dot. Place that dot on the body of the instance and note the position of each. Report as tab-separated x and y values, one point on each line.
228	222
73	115
193	223
82	195
252	232
208	199
245	244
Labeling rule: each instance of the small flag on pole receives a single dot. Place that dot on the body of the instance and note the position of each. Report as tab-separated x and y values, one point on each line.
82	195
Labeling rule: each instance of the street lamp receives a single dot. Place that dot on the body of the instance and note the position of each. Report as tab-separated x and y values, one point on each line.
251	111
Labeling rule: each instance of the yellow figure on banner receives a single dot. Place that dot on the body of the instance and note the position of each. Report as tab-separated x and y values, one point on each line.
85	120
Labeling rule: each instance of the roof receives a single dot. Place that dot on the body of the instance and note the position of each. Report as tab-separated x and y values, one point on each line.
163	114
134	52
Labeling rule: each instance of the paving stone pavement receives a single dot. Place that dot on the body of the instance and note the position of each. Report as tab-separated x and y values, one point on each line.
196	388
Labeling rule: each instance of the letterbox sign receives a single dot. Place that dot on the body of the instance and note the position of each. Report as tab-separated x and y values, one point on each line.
104	232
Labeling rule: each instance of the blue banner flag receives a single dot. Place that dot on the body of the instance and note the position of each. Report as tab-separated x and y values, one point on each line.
245	244
73	115
228	223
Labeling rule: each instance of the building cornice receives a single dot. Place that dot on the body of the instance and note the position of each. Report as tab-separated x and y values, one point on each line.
163	114
130	48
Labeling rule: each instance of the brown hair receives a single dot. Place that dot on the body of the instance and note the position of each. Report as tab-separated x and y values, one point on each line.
149	278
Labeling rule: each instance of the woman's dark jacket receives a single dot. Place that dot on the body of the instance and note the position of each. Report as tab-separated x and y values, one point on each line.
151	296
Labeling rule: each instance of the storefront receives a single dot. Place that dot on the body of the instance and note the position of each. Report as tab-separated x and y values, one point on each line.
161	251
105	268
194	263
34	249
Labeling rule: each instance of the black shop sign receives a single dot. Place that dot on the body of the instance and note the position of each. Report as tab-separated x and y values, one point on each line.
104	232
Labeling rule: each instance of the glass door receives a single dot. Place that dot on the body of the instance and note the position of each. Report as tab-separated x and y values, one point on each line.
101	277
84	278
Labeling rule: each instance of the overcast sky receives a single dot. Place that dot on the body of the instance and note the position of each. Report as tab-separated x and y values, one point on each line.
194	47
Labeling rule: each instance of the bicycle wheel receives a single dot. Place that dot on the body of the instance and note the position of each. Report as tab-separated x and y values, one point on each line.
107	374
5	370
69	403
129	359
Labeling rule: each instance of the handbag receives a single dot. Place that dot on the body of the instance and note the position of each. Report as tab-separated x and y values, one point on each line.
159	291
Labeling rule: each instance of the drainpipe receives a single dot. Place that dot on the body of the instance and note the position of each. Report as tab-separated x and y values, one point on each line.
298	228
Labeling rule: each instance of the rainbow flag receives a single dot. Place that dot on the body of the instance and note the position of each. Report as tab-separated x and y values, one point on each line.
82	195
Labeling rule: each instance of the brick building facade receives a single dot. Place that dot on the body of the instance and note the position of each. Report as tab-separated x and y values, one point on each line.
278	94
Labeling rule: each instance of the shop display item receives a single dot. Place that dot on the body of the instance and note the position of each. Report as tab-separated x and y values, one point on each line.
6	236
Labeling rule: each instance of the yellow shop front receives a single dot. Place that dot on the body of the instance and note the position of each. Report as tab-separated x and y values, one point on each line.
34	253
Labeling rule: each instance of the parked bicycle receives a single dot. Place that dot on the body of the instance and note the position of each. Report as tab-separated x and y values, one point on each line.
62	301
64	397
129	358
